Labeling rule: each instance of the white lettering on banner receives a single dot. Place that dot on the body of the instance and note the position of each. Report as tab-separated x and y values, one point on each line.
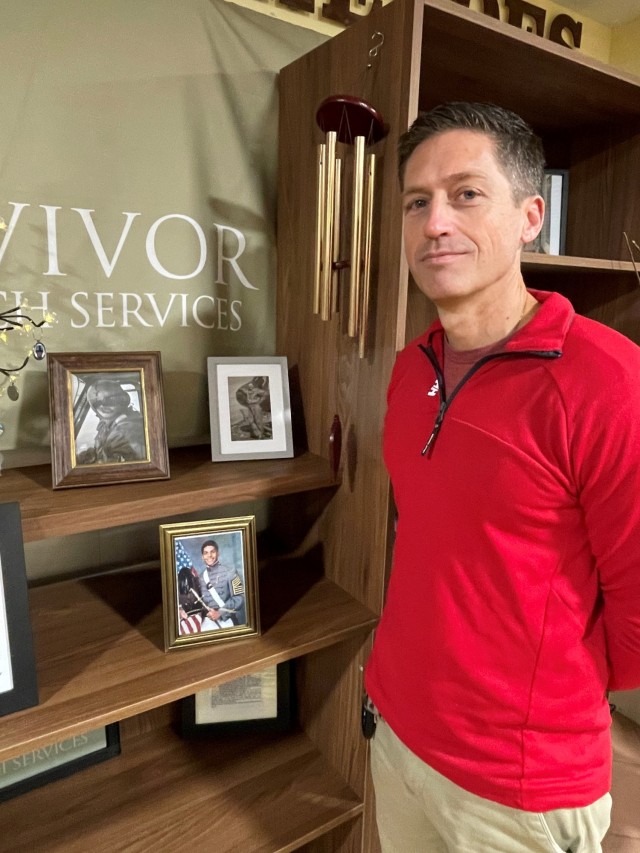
221	257
120	309
18	207
16	297
151	247
107	265
52	239
224	263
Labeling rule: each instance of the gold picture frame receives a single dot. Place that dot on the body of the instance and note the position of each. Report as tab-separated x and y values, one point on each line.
107	418
209	581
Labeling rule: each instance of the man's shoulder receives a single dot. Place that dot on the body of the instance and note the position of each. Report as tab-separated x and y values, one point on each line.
600	347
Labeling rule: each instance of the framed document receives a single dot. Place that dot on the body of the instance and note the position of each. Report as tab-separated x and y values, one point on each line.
18	684
46	764
258	702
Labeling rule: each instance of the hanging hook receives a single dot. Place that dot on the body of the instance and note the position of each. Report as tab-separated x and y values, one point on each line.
374	50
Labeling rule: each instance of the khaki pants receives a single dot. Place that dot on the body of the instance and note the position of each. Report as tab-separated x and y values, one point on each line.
420	811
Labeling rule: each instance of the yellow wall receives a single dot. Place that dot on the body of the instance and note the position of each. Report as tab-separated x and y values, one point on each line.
625	47
596	37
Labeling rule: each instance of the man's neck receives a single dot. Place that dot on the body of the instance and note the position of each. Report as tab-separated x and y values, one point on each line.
481	321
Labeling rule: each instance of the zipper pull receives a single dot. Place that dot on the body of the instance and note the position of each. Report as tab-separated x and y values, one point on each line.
436	429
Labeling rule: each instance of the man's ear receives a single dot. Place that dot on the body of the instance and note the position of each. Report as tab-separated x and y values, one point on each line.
533	208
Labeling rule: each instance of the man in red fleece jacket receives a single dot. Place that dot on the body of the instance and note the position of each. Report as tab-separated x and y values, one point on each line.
512	438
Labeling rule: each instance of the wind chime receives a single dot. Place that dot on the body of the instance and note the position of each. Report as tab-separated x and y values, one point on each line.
352	121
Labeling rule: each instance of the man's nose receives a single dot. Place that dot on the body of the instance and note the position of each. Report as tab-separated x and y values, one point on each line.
437	218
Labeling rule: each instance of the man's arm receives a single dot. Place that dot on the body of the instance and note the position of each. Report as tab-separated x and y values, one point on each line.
609	477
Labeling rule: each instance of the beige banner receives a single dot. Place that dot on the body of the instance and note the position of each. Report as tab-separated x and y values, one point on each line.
138	183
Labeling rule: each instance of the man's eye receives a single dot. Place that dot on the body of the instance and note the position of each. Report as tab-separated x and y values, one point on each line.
469	195
416	204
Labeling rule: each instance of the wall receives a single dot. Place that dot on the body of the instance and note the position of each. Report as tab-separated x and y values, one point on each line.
625	47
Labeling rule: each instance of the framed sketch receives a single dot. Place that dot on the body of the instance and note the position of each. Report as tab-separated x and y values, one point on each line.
209	581
18	681
49	763
258	702
107	418
249	408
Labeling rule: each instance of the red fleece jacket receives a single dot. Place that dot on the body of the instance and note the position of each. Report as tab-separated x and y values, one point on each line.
514	599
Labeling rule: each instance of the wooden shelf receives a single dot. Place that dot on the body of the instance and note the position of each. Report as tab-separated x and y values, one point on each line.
166	793
99	647
567	263
565	88
196	483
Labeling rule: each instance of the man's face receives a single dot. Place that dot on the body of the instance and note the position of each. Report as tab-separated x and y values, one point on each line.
209	555
462	229
108	400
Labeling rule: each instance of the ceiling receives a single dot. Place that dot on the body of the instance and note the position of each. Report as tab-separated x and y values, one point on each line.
609	12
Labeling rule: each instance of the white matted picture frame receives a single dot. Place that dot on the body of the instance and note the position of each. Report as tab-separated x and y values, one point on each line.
209	581
249	407
18	678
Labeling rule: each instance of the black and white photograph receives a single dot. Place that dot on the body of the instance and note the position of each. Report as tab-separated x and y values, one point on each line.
250	411
107	418
209	580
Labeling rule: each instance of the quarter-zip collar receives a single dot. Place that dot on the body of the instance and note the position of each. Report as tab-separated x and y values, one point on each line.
542	337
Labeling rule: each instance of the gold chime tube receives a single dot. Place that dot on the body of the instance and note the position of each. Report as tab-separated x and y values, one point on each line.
327	237
368	232
320	198
356	237
335	276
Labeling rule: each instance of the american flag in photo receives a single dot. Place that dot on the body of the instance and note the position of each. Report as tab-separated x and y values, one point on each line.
192	624
183	560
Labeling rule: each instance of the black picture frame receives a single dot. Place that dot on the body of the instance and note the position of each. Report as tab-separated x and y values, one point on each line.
553	236
281	721
18	677
80	754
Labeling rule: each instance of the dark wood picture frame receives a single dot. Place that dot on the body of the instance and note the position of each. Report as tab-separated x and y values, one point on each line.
196	722
191	583
18	678
78	759
93	449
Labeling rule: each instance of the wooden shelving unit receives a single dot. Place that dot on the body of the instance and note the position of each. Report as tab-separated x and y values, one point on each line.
267	794
569	264
99	647
195	483
588	115
101	659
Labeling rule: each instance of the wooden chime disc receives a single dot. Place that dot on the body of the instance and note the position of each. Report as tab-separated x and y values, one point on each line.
349	117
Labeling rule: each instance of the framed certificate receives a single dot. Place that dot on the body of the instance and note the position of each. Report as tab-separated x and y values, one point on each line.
258	702
18	684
